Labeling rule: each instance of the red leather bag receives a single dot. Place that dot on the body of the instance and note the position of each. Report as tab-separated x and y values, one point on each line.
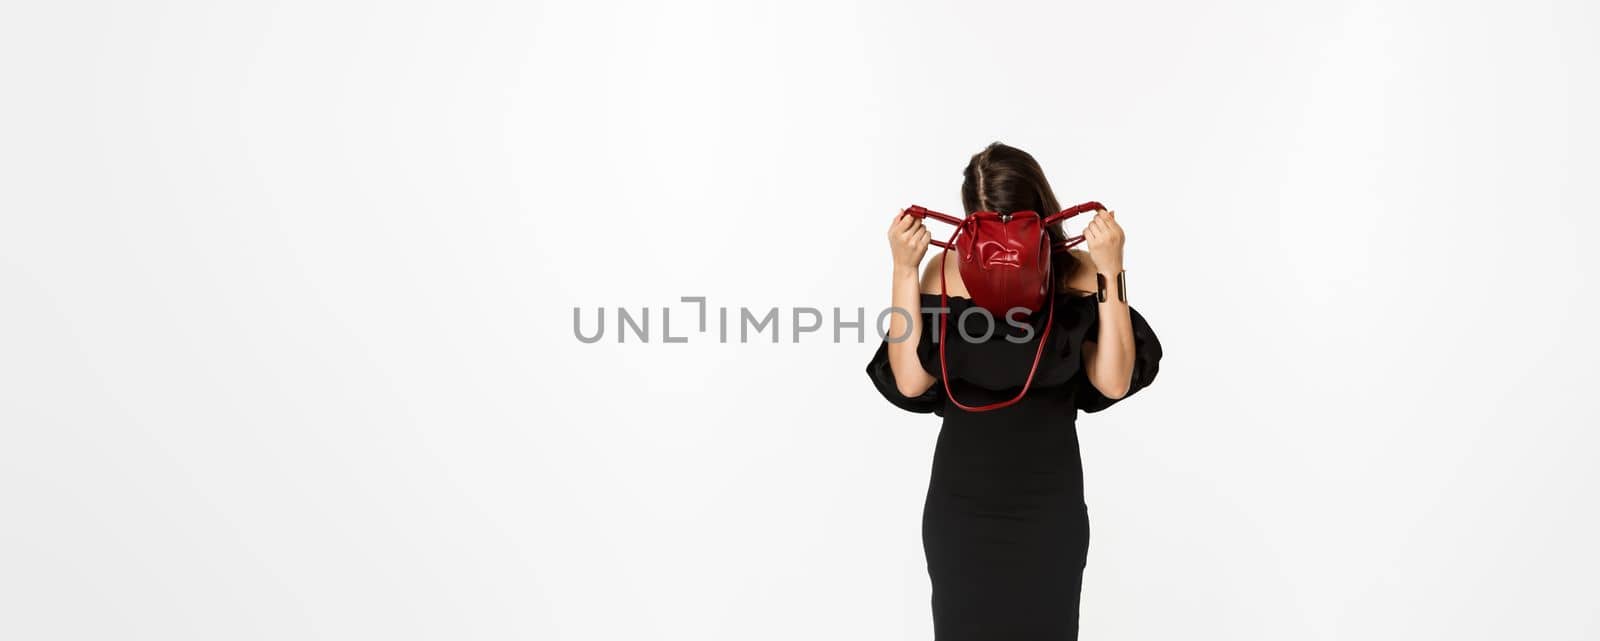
1005	264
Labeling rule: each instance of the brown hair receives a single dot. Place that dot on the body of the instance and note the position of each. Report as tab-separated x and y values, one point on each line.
1004	179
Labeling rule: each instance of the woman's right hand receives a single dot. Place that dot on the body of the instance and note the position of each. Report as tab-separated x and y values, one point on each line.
908	241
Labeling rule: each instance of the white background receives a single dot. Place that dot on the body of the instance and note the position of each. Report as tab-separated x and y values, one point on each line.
287	293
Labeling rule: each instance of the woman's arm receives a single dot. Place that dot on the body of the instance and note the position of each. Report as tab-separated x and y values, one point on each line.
908	241
1109	359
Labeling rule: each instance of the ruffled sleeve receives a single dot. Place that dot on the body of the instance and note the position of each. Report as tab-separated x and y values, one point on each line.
928	354
1146	362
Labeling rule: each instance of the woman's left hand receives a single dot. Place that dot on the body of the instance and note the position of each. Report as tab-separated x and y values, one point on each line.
1105	239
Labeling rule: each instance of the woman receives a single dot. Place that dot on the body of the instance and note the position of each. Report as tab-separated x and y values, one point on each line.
1005	528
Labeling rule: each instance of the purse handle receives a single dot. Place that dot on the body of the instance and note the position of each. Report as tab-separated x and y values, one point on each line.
944	296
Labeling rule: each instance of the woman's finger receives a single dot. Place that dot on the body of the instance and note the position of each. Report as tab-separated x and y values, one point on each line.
903	221
908	221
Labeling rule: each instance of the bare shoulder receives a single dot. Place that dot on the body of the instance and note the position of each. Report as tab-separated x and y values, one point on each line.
952	274
1081	281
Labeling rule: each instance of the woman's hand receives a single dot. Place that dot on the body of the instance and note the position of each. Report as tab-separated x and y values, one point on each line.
908	241
1105	239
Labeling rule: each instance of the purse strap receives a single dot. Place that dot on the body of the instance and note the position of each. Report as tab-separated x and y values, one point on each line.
1064	245
920	212
961	225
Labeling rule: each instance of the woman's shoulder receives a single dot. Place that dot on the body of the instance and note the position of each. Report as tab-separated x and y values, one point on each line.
1080	282
953	285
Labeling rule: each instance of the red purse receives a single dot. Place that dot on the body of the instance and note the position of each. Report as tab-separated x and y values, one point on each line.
1005	264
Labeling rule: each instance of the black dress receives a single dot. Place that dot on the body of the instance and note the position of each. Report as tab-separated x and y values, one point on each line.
1004	527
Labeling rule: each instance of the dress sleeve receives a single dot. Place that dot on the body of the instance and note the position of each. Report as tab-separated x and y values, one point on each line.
1146	362
928	354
